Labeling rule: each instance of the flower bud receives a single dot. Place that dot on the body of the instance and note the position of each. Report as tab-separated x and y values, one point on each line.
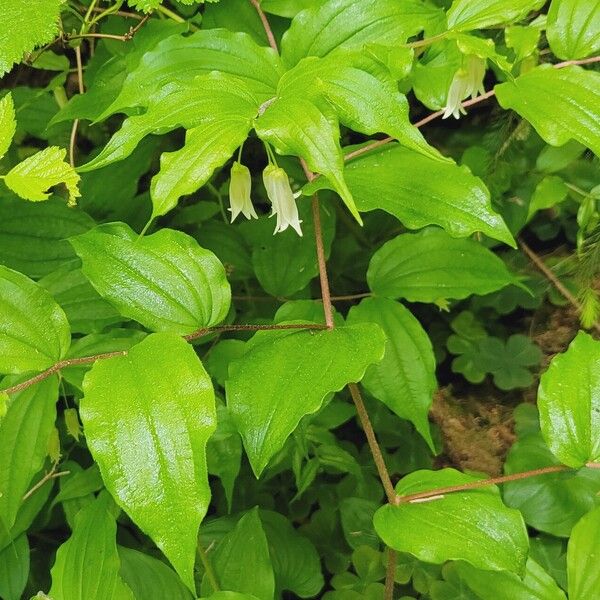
282	199
467	81
240	184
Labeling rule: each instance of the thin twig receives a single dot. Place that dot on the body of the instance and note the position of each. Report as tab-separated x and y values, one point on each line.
553	279
322	261
390	574
52	474
266	25
73	138
210	573
222	328
365	421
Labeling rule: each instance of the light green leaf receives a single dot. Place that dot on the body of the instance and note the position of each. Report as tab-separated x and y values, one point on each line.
285	376
31	24
34	331
574	112
32	178
405	379
420	191
147	418
165	281
352	24
477	14
430	265
14	569
179	59
573	28
296	126
149	578
87	564
8	123
569	403
24	434
33	236
549	192
241	561
537	584
582	558
230	596
474	526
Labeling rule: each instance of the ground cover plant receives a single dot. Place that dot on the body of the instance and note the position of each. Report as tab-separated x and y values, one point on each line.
299	299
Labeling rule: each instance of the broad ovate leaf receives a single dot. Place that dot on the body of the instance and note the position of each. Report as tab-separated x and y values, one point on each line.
431	265
405	379
569	403
8	123
34	331
14	569
87	564
473	525
165	281
465	15
573	28
147	417
32	178
582	558
420	191
573	113
284	376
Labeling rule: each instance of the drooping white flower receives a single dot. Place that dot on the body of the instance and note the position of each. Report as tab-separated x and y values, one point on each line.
240	184
467	81
282	199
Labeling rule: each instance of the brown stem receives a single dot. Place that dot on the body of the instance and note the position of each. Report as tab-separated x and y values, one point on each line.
351	297
221	328
265	24
365	421
581	61
73	138
390	574
322	261
553	279
52	474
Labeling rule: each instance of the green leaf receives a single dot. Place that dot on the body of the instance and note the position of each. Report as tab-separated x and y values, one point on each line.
87	564
14	569
573	28
33	236
34	332
405	379
24	434
150	445
430	265
420	191
285	376
179	59
165	281
575	109
8	123
477	14
149	578
296	126
537	584
352	24
569	403
474	526
549	192
241	561
230	596
31	24
582	555
32	178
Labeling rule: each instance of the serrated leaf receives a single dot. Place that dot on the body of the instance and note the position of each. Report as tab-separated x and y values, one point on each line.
477	14
569	403
24	434
165	281
574	112
87	564
352	24
14	569
151	444
582	555
283	377
32	178
431	265
420	192
296	126
474	526
405	379
8	123
31	24
573	28
34	331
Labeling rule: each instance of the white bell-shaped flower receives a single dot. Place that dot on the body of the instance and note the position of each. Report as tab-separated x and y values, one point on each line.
282	199
467	81
240	184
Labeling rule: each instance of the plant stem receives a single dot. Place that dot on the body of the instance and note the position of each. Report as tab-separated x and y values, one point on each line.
266	25
210	574
73	138
52	474
390	574
325	293
222	328
365	421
